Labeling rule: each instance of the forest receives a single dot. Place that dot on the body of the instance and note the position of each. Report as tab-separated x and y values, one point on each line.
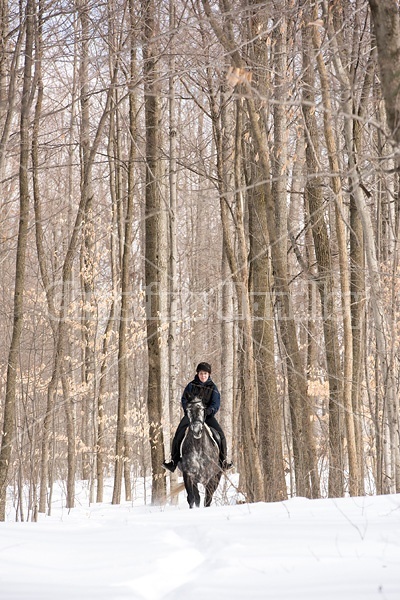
199	180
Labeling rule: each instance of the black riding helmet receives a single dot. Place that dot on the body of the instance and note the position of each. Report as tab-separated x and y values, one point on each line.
203	366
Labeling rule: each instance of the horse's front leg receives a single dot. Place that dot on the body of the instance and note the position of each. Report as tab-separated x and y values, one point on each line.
190	489
210	489
196	494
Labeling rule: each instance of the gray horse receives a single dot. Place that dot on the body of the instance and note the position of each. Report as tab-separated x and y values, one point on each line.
200	456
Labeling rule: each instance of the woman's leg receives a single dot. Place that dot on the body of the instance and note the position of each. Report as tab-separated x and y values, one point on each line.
212	422
178	439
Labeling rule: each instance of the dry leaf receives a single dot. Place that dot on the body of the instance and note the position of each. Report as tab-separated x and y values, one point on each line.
236	76
317	23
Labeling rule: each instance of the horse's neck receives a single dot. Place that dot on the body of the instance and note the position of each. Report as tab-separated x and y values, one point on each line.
206	437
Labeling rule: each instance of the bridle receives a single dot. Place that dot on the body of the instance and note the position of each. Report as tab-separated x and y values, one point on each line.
196	415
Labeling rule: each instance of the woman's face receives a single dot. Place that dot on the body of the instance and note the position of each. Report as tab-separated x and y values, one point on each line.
203	376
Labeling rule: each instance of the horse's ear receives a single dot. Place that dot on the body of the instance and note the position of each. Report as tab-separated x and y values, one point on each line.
189	396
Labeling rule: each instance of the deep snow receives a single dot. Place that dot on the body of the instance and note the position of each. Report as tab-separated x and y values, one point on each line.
342	549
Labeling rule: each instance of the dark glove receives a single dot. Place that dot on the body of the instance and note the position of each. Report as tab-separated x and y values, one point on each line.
209	412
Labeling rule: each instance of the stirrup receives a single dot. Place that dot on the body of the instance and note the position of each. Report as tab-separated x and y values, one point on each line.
226	465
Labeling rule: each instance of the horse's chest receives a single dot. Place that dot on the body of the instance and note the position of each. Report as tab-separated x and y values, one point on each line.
195	460
194	463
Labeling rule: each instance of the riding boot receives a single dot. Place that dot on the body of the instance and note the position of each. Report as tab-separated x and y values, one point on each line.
170	466
223	462
176	446
222	451
175	457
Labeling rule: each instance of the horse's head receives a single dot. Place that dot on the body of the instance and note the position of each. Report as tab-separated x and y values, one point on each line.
195	411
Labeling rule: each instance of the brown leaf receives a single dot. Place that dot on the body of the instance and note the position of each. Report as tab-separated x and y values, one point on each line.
236	76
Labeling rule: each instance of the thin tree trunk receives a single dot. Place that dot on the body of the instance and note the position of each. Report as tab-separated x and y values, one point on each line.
250	439
228	345
173	405
4	16
154	260
357	288
121	454
228	338
86	257
386	19
269	404
7	99
70	414
8	428
273	429
116	235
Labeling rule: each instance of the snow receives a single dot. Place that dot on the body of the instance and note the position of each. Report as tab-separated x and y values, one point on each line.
300	549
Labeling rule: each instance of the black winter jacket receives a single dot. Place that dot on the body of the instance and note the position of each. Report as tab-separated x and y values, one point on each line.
208	392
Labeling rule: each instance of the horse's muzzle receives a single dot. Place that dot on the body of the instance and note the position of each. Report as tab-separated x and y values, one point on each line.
197	429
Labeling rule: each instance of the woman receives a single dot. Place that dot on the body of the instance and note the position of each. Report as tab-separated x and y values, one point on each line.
204	388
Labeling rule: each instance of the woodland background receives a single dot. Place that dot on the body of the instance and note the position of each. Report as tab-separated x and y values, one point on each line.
199	180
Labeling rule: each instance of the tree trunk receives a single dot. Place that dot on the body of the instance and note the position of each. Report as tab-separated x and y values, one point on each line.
121	447
87	247
153	259
386	20
223	123
7	99
228	363
4	16
8	428
251	447
357	289
270	407
173	404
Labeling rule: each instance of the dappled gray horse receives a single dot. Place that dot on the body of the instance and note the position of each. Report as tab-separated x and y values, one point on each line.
200	456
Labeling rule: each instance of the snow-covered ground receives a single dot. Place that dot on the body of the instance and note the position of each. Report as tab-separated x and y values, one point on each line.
344	549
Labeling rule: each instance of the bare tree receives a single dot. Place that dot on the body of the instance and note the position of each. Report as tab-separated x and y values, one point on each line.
386	20
270	408
154	261
8	428
8	85
121	450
